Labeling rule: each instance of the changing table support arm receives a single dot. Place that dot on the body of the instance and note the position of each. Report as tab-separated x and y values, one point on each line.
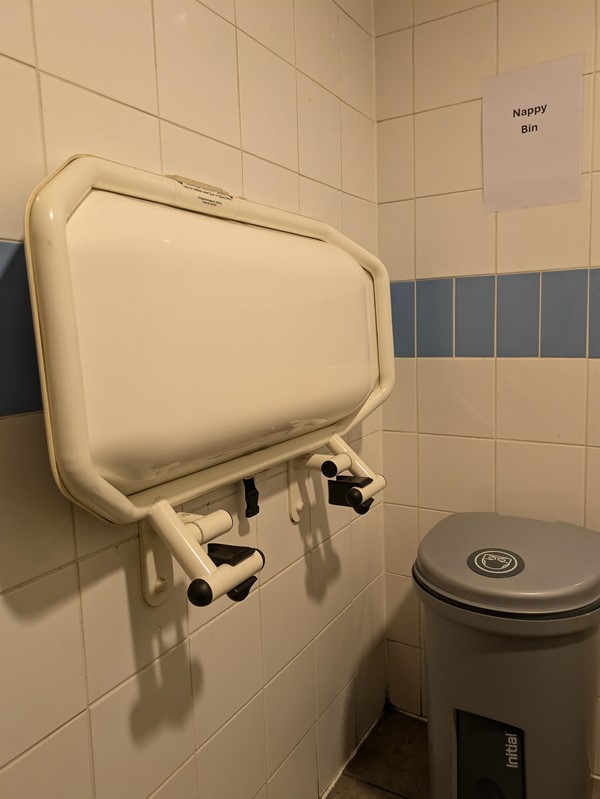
359	469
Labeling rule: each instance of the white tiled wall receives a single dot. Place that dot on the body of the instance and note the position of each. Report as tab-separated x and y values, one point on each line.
519	436
101	696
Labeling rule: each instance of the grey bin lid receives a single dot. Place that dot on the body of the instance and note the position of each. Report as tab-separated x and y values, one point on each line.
517	566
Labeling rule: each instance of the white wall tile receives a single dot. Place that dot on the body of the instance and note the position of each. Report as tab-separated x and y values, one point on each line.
395	152
319	146
183	784
194	156
562	27
36	533
592	507
401	538
333	587
143	731
588	122
220	686
392	15
107	47
225	8
118	644
317	51
400	459
596	125
452	162
373	423
272	24
541	481
361	11
595	245
326	519
335	658
290	707
241	742
268	104
93	534
16	30
428	519
452	55
296	778
43	684
400	409
394	74
336	736
402	610
542	399
546	237
360	221
456	474
593	434
396	239
79	121
370	449
369	620
321	202
370	693
356	66
454	236
426	10
456	396
404	676
286	616
59	767
22	165
197	69
367	547
269	184
358	154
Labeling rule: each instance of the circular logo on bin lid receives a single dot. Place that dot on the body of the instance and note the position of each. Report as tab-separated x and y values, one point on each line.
495	563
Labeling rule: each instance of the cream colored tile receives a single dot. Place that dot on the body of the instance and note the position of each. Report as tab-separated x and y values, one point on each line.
326	519
78	121
428	519
317	52
452	55
320	153
369	620
197	69
361	11
220	686
454	236
546	237
321	202
358	153
367	547
279	538
542	399
271	23
224	8
92	534
360	221
394	74
333	587
402	610
356	66
592	503
290	707
269	184
16	30
39	625
22	165
404	677
335	658
562	27
107	47
240	741
541	481
396	239
286	616
118	644
401	538
370	449
268	104
400	461
296	778
336	736
456	474
426	10
373	423
451	162
370	693
597	70
194	156
143	731
183	784
595	246
589	154
58	768
593	434
395	149
392	15
456	396
400	410
36	535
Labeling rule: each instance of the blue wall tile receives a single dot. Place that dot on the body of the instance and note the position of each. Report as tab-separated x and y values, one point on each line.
434	318
518	315
403	318
564	313
475	306
594	313
19	380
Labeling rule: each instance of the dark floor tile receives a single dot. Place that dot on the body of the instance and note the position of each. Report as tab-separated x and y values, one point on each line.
349	788
394	757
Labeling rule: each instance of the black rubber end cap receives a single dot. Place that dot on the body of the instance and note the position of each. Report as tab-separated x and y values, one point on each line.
329	469
200	593
354	497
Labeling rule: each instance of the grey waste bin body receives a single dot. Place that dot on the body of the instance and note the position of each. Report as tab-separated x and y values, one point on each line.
511	617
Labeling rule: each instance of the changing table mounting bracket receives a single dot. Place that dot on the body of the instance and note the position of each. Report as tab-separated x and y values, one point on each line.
156	566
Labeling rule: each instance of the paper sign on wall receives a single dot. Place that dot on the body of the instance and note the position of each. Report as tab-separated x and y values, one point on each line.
532	135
